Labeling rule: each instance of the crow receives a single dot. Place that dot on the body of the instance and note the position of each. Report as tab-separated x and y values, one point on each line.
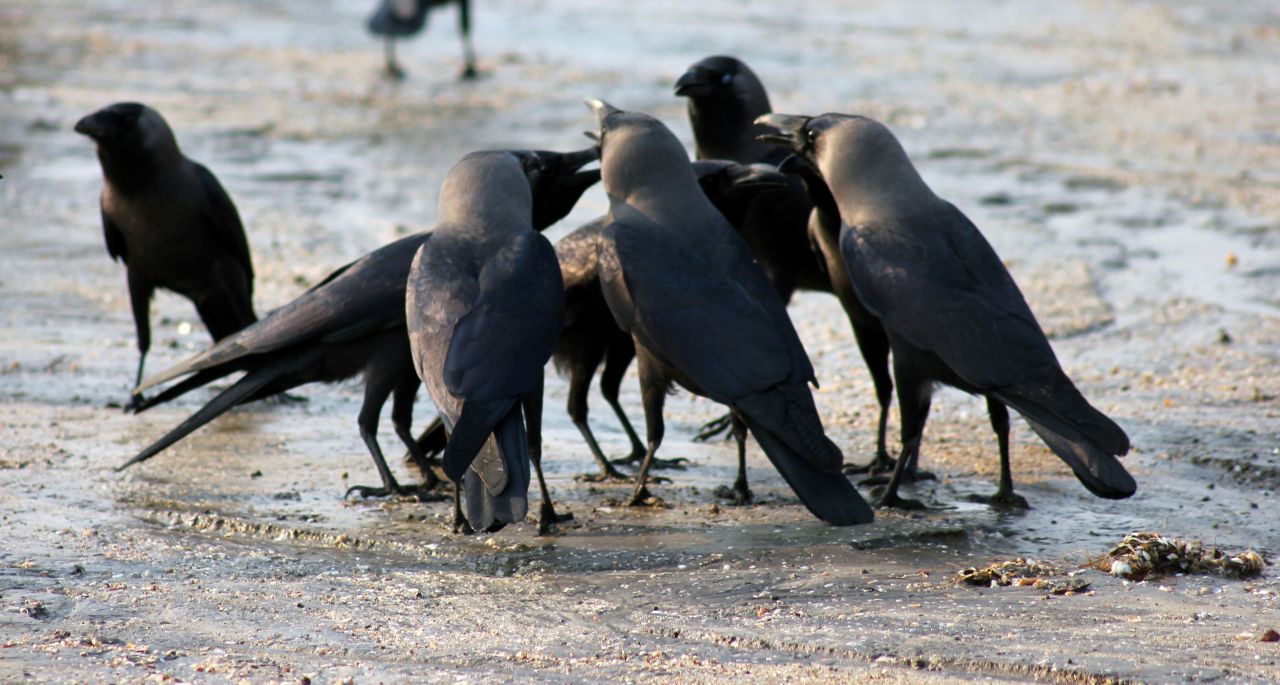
484	304
350	323
394	19
701	313
171	223
725	97
952	312
591	337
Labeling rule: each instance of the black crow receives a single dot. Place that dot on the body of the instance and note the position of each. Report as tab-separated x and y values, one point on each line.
725	97
591	337
170	222
953	313
394	19
352	322
701	313
484	305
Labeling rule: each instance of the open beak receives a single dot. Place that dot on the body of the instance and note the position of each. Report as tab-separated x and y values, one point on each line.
572	163
696	81
788	129
602	109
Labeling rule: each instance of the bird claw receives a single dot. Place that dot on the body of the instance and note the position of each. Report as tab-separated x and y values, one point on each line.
738	494
462	527
886	500
1002	500
677	464
134	405
607	474
908	477
643	498
881	463
284	399
469	73
715	427
417	492
548	519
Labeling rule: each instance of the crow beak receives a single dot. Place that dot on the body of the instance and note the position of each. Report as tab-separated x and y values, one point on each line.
574	161
788	129
696	81
602	109
755	176
572	167
91	126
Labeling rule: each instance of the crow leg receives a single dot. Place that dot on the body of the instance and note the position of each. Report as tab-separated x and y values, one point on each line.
739	493
402	419
874	346
621	351
377	388
1004	497
914	398
653	392
140	301
715	427
468	52
579	387
547	516
393	69
460	525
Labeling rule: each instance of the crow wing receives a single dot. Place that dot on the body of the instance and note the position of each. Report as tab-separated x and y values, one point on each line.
115	240
713	314
499	347
222	221
934	281
360	298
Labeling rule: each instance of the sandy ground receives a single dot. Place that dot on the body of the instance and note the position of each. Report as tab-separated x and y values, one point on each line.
1124	158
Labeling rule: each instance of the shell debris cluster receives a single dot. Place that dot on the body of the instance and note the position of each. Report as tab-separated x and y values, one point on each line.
1148	553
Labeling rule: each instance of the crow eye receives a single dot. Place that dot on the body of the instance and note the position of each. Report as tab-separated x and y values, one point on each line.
724	80
812	135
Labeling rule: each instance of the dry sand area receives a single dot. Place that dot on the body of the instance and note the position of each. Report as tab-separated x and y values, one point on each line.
1123	158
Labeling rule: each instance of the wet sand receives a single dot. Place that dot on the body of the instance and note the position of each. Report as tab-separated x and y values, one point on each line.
1123	158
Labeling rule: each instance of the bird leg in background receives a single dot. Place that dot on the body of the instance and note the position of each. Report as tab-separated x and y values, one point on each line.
620	354
914	398
378	386
547	516
429	445
715	427
653	393
618	357
393	69
579	387
615	366
739	493
873	343
460	524
375	395
607	472
140	301
402	419
468	52
1004	498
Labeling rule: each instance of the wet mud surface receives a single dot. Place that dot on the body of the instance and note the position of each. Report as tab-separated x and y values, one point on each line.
1123	158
